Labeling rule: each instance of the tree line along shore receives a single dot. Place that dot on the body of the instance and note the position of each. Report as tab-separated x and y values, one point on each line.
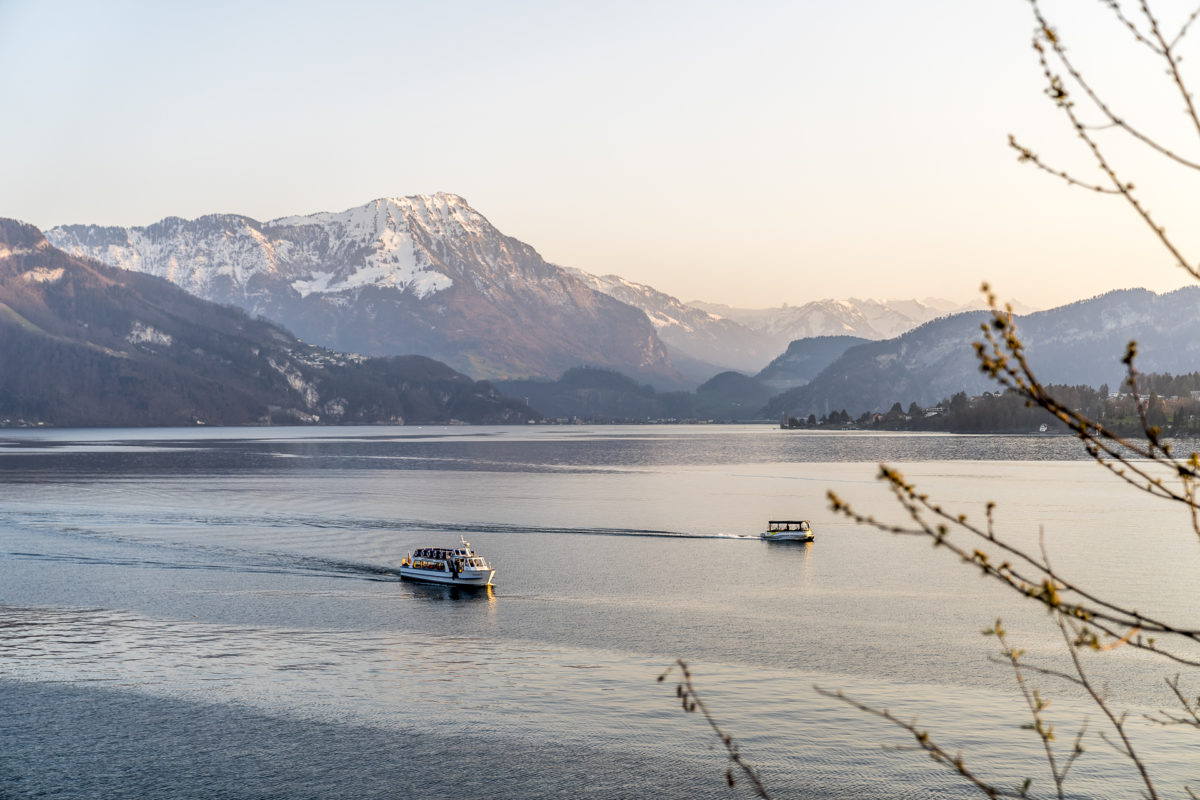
1168	402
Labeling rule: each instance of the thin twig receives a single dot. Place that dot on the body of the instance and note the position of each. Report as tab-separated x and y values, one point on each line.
1172	64
1027	155
1054	39
1036	705
690	699
1192	708
1117	722
926	743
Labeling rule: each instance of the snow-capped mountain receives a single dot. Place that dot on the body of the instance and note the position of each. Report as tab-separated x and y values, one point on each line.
87	344
423	274
688	331
748	339
866	319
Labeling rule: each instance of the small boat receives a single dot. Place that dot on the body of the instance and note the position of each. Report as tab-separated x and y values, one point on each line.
457	566
788	530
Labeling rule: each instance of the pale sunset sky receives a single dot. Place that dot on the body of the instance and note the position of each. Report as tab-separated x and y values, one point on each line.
748	153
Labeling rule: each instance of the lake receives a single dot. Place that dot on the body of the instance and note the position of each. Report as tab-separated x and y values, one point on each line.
216	613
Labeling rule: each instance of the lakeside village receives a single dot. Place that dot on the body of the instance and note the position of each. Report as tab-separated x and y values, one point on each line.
1175	411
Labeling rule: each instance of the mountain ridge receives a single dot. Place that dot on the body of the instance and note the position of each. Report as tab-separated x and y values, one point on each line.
89	344
425	273
430	274
688	331
1078	343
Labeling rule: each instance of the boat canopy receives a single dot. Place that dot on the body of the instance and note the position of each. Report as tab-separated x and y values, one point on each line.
788	525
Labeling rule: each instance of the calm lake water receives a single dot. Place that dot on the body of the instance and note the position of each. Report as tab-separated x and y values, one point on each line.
215	613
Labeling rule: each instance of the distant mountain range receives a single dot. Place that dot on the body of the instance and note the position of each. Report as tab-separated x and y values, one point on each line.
428	274
84	344
865	319
425	274
1080	343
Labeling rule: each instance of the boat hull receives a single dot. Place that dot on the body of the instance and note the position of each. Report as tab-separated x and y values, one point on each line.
788	537
479	578
788	530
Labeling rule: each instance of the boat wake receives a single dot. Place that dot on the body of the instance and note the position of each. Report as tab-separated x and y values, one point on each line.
235	561
262	544
475	527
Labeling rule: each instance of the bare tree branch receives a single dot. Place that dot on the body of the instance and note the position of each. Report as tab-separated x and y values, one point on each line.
926	743
1172	63
1054	41
685	690
1117	722
1027	155
1128	23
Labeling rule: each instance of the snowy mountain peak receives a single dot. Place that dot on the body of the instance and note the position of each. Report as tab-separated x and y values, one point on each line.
441	212
381	244
422	273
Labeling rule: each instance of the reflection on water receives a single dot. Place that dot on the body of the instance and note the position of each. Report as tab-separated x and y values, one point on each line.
209	582
468	594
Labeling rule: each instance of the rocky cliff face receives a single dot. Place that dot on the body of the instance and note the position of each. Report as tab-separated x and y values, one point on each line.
424	274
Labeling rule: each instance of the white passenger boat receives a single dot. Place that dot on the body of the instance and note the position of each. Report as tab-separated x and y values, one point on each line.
457	566
788	530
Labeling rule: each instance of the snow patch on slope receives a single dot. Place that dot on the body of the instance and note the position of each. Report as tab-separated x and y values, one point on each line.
142	333
43	275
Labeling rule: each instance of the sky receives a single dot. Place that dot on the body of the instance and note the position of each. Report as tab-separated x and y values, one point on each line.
750	153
